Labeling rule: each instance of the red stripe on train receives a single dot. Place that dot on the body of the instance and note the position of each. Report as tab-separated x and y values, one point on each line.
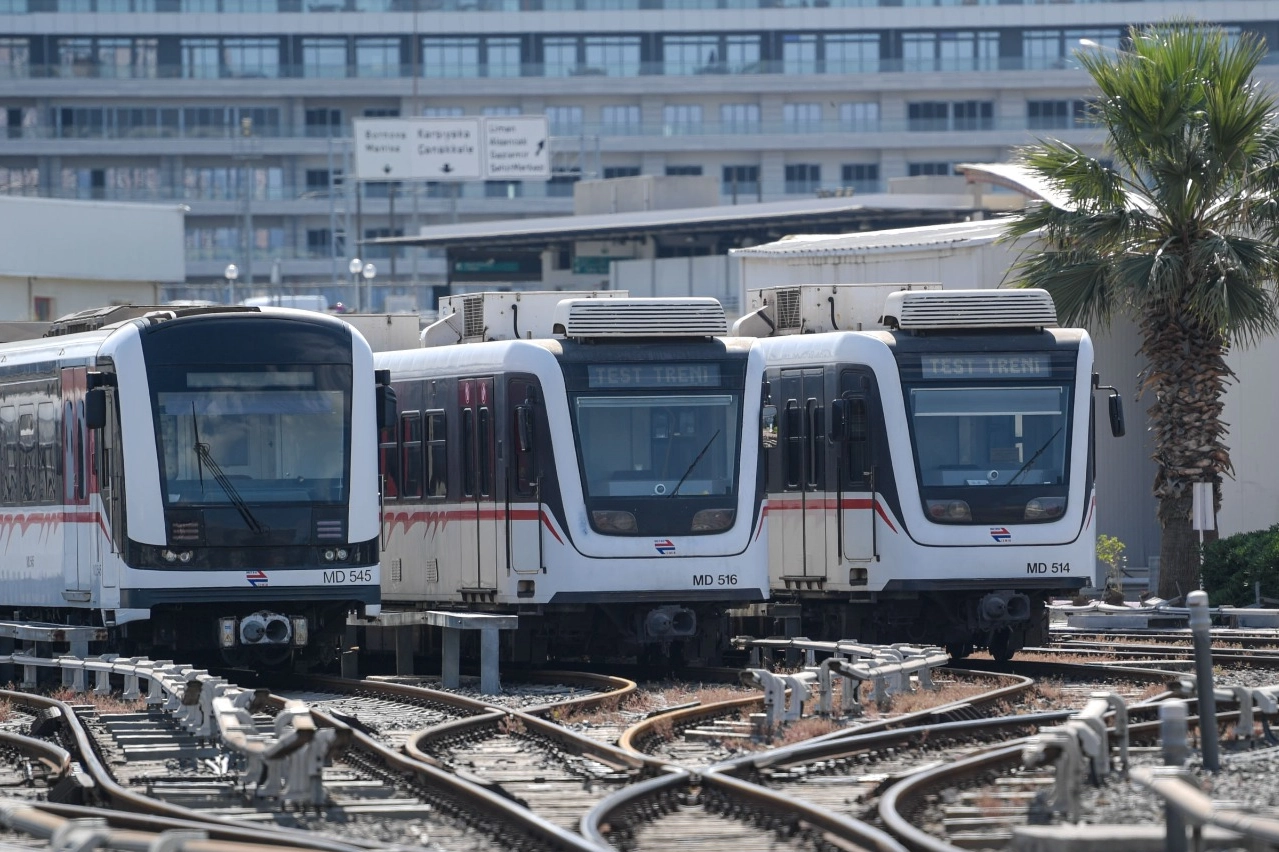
830	504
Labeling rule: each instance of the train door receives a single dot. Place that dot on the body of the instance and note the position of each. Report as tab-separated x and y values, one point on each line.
523	494
804	472
478	483
855	472
77	530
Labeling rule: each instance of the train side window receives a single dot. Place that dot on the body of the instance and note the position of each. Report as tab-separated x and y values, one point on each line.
857	447
817	444
523	438
486	453
27	465
468	452
437	458
793	435
81	475
411	454
388	461
9	436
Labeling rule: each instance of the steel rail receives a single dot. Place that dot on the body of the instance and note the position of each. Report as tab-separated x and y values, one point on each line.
121	797
682	717
1046	668
432	778
54	757
611	813
1200	809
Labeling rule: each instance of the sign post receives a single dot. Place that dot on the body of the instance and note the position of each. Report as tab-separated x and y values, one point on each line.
1202	517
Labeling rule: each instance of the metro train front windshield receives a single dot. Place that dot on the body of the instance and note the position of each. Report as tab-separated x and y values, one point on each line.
650	445
273	435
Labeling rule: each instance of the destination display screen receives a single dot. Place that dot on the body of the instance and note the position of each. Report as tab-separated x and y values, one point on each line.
987	365
648	376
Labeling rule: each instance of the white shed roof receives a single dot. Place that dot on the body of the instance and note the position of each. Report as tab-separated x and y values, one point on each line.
927	237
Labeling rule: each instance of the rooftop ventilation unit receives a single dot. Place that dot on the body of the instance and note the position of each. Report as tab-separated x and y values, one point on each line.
948	309
689	317
815	308
504	315
96	318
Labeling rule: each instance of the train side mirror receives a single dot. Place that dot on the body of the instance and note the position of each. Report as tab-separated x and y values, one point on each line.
95	408
768	427
1116	415
386	406
524	428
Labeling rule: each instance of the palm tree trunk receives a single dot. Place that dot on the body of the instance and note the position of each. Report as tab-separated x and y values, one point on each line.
1188	375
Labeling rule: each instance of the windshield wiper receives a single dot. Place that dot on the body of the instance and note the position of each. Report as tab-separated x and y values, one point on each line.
1039	452
694	464
205	457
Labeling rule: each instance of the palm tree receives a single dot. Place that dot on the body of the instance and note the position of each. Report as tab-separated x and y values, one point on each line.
1178	232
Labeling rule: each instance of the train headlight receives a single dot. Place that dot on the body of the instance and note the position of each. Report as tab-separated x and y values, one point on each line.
168	556
607	520
330	555
342	554
1045	508
185	556
949	511
712	520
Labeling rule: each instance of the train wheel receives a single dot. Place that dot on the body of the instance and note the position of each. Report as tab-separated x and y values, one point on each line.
1001	645
958	650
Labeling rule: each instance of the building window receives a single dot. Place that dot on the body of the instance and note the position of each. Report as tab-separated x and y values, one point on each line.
564	121
200	58
739	118
561	185
802	118
381	112
559	56
323	122
450	57
319	242
740	180
318	182
1057	115
75	57
973	115
443	111
621	172
323	57
15	58
851	53
252	57
499	111
927	116
803	178
862	177
684	54
612	56
681	119
377	57
799	53
927	169
684	171
741	54
19	181
859	117
620	120
502	57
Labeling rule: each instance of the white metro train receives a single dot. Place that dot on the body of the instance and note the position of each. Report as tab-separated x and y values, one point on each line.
600	476
196	479
933	480
621	474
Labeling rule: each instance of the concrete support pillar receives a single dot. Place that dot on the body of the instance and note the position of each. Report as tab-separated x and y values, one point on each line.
450	665
404	650
490	683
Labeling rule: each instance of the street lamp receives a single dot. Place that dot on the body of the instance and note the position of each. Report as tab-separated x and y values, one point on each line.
369	272
354	268
231	273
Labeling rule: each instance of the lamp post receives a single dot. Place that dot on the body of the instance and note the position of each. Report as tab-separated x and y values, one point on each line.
354	268
369	272
231	273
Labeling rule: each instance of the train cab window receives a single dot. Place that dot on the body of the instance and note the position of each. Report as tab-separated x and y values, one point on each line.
411	454
388	461
437	459
468	452
486	453
857	447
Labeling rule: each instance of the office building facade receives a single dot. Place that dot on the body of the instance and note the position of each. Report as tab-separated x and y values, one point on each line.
242	109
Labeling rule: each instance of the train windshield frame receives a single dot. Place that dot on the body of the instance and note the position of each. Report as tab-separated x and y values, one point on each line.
991	435
649	431
277	434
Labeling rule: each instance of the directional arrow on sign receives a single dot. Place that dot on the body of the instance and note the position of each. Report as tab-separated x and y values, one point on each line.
446	168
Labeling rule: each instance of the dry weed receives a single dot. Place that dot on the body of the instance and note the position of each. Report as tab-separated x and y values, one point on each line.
102	703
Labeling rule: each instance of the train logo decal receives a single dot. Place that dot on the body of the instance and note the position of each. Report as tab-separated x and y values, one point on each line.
256	578
664	546
1001	534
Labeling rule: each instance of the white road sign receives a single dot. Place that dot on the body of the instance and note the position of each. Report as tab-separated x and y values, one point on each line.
418	149
516	147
